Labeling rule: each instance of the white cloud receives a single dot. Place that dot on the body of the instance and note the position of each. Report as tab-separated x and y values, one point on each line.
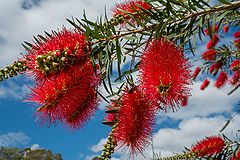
99	146
207	102
14	139
168	141
202	117
35	147
21	25
13	90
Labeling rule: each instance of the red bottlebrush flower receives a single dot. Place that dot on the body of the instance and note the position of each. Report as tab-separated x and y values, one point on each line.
209	146
225	28
130	6
136	119
213	42
221	80
204	84
209	55
165	73
62	49
237	43
69	98
215	67
196	72
235	78
236	34
235	65
206	31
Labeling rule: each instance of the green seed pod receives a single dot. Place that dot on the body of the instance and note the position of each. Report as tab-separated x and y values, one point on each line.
24	68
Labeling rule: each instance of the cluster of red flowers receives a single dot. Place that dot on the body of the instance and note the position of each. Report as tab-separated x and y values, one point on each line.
209	55
66	94
209	146
216	64
162	84
214	37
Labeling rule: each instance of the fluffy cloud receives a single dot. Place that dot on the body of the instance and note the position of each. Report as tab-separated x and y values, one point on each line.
168	141
204	103
98	147
14	139
204	116
35	147
45	15
13	90
21	20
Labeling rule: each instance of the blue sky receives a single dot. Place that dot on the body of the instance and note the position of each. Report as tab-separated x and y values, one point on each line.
19	21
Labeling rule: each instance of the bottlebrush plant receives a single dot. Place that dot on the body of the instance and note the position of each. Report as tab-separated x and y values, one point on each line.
69	65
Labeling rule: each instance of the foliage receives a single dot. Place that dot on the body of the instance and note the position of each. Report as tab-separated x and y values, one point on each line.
27	154
157	36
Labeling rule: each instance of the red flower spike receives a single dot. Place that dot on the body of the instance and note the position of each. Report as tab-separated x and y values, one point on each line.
136	119
196	72
237	43
225	28
204	84
213	42
215	67
70	98
235	78
164	73
235	65
209	55
236	34
215	30
221	80
209	146
212	68
61	47
130	6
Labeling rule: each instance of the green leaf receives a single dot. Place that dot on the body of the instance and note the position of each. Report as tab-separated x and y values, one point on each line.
119	53
225	126
109	77
89	22
224	1
191	6
130	38
37	40
43	38
26	48
223	15
169	8
48	34
73	23
197	4
205	3
29	44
